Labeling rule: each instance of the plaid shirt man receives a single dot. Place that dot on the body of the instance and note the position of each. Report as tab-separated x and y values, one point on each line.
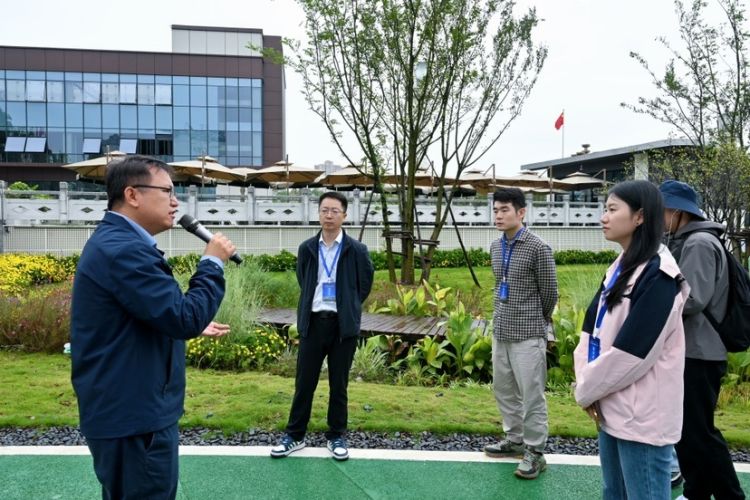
532	285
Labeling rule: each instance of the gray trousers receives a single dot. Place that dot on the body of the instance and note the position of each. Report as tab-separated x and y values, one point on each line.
519	375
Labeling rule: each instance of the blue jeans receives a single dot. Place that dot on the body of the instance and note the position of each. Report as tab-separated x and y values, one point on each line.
634	470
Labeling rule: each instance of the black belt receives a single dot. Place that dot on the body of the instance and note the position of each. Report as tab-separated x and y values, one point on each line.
325	314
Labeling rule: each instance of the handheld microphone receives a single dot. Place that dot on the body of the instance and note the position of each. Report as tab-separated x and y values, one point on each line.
193	226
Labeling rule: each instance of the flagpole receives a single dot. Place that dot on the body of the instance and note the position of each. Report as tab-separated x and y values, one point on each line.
563	135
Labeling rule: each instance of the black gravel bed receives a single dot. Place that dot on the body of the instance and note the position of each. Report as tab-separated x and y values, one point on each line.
199	436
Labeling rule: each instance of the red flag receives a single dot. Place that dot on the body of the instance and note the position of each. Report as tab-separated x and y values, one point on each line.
560	121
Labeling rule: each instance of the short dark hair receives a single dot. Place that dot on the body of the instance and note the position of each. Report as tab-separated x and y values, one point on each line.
135	169
336	196
510	195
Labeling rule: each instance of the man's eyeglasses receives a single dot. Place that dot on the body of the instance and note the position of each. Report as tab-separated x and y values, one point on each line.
332	211
166	190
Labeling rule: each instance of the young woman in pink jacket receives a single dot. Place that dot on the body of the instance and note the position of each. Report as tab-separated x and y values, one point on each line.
631	354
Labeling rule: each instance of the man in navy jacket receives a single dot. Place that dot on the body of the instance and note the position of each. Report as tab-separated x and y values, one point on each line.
335	275
129	322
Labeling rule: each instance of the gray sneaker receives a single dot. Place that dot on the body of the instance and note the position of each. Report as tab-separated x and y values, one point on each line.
532	465
503	449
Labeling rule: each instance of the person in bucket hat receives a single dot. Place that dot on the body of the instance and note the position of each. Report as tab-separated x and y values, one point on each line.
694	241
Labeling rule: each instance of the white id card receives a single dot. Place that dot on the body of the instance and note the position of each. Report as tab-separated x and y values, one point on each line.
329	292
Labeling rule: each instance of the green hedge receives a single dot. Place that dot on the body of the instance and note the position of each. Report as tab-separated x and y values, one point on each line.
287	261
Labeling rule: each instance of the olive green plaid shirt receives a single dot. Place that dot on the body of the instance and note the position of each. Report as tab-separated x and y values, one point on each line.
532	289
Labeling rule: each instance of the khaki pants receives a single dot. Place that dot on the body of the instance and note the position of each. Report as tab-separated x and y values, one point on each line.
519	374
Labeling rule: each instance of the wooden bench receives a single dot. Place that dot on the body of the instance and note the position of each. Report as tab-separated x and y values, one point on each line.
410	327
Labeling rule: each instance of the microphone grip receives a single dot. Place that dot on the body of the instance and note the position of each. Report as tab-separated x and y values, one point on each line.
195	227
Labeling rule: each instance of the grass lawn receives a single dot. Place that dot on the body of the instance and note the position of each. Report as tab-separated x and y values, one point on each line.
36	392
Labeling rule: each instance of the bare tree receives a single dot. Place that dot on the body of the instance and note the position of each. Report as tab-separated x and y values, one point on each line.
405	76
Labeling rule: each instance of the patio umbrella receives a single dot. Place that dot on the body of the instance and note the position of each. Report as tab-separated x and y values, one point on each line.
349	176
95	168
529	179
206	167
580	180
421	178
283	171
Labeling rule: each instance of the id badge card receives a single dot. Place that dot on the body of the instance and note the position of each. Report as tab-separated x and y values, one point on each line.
502	292
329	291
594	348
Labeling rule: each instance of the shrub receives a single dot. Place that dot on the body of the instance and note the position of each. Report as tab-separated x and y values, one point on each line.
370	363
563	257
255	348
38	320
21	271
284	261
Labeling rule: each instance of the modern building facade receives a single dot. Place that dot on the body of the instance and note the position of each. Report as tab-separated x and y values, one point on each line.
213	94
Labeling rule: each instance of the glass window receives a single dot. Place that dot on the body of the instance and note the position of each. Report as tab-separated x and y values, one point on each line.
111	93
246	143
181	143
163	119
73	142
91	77
164	79
36	144
215	81
257	119
198	119
197	80
16	115
73	92
36	114
92	116
2	89
256	82
232	96
163	94
197	95
55	92
73	77
16	90
181	118
213	143
15	75
231	82
91	92
233	143
145	93
215	96
181	80
257	98
128	145
55	114
127	93
198	143
128	78
181	96
233	119
245	119
246	97
55	75
146	118
92	145
110	116
56	140
74	115
15	144
35	91
244	82
213	119
257	143
128	117
110	77
145	78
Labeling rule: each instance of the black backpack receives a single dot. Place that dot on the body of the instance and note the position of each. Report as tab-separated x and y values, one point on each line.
734	329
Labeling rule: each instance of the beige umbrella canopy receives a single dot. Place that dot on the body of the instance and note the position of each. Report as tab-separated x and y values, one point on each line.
206	167
96	168
580	180
283	171
529	179
421	178
349	176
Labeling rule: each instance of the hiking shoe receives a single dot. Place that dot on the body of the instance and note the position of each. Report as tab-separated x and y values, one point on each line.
505	448
532	465
286	447
676	479
338	449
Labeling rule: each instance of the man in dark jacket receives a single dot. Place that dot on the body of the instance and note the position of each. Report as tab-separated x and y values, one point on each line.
702	452
335	275
129	322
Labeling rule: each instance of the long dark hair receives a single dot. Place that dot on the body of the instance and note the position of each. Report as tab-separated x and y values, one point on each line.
644	196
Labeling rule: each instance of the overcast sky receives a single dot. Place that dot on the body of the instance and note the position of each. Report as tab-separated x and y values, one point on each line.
588	71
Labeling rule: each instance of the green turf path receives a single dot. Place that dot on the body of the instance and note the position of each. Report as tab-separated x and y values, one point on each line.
224	477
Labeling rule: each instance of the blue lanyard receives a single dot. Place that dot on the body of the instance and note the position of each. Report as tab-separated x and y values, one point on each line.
603	302
335	258
512	245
